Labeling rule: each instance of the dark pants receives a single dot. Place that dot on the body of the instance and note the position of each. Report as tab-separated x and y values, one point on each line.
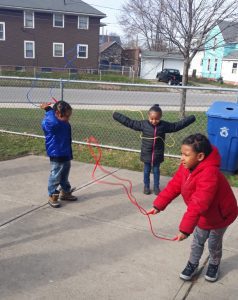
214	238
156	171
59	175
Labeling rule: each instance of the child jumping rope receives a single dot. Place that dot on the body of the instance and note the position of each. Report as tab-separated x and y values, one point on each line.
153	138
211	204
58	141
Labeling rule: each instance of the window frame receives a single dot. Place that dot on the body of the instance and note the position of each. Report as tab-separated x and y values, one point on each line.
209	64
84	45
4	32
33	18
33	49
55	26
87	27
62	44
215	64
234	69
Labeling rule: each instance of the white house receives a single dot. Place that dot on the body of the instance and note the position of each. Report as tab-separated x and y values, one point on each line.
229	70
196	64
153	62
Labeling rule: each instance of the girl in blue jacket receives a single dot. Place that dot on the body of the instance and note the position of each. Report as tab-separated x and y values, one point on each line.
58	141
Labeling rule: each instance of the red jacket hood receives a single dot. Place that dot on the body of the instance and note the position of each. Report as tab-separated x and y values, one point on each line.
213	159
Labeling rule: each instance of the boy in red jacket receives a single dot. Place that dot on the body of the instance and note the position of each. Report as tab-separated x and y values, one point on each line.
211	204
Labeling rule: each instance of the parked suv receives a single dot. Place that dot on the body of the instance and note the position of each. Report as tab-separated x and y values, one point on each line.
171	76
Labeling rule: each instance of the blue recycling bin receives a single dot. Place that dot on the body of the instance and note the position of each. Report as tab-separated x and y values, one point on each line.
222	128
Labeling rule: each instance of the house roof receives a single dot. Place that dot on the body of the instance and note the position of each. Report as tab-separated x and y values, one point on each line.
63	6
109	38
231	56
229	31
107	45
161	54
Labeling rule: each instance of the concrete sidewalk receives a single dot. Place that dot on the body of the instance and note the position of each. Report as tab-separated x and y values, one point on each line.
99	247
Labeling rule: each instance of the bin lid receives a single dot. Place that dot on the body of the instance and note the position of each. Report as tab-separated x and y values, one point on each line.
222	109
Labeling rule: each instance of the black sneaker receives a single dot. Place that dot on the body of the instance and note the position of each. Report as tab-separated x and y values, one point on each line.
157	190
146	190
212	272
189	271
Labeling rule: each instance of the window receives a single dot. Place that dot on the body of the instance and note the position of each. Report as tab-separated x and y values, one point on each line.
208	64
234	68
2	31
29	49
82	51
215	44
58	49
29	19
83	22
215	66
58	20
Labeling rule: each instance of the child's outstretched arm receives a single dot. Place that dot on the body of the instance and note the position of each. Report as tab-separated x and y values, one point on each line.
46	106
176	126
133	124
171	191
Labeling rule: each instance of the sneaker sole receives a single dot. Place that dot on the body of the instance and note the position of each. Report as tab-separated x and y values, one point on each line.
187	278
62	199
211	279
54	205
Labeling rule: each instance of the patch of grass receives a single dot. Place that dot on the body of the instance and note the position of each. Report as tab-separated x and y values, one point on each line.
198	81
100	124
13	146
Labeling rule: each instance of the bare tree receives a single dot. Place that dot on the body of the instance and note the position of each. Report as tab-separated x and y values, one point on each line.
136	24
184	23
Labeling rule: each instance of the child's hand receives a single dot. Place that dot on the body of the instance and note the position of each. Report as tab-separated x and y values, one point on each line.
181	236
45	105
153	211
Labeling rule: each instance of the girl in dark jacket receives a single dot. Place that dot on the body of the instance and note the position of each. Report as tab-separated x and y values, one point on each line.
153	138
58	141
211	204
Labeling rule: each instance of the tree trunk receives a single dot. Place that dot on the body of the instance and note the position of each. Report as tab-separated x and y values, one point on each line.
184	91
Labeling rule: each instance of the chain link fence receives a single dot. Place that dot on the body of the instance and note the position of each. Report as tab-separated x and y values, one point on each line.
94	103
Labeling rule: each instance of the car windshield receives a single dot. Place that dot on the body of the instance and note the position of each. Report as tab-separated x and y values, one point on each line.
174	71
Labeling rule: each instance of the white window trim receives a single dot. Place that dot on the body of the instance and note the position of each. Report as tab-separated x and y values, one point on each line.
86	51
234	70
33	19
54	21
33	42
4	32
62	44
87	22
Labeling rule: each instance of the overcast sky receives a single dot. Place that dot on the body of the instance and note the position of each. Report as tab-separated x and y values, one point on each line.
112	9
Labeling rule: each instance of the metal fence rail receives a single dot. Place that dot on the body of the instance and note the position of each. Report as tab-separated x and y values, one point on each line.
94	103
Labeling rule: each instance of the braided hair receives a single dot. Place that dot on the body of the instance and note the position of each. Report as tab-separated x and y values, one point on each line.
62	107
199	143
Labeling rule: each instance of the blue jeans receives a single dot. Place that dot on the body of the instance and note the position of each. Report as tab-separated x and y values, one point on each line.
156	171
59	175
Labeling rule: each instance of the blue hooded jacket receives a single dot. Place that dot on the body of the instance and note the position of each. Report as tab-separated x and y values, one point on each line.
57	137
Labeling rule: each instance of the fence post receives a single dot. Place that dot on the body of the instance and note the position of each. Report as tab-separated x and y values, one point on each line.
61	90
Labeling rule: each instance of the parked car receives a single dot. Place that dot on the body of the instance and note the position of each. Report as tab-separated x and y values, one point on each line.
171	76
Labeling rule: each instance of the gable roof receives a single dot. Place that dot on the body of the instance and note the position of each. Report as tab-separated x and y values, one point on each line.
231	56
161	54
109	38
229	31
107	45
63	6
